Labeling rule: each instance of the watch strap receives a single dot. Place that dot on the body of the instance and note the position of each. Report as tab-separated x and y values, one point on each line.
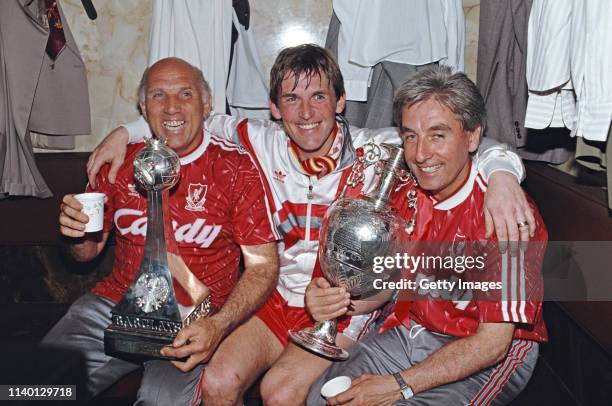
405	389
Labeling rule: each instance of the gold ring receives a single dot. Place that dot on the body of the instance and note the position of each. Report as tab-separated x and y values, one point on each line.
523	224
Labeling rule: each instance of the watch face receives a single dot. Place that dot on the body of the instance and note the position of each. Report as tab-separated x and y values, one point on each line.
407	392
151	292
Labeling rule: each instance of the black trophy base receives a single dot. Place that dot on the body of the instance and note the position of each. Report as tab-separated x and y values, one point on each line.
135	346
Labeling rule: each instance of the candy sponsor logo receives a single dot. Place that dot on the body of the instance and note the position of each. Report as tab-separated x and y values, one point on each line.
130	221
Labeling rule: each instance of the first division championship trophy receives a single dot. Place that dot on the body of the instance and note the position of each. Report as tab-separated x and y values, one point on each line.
147	317
354	232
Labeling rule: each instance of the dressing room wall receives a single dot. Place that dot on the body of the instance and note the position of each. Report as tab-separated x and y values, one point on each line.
115	47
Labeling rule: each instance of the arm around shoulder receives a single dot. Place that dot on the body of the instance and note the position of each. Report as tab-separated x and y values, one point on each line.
507	211
223	126
495	156
112	149
137	130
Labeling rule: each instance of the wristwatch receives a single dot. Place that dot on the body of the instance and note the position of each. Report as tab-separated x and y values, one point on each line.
405	389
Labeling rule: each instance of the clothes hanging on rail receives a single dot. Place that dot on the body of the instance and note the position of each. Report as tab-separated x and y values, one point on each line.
381	43
247	89
43	89
551	100
569	66
501	78
591	64
201	33
198	32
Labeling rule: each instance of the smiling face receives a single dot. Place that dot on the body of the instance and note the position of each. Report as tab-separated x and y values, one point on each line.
173	104
437	148
308	111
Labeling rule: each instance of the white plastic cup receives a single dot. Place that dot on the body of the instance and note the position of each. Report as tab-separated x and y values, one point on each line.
335	386
93	206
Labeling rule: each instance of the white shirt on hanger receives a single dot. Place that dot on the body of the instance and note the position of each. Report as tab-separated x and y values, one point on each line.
198	32
415	32
551	101
591	58
247	89
569	66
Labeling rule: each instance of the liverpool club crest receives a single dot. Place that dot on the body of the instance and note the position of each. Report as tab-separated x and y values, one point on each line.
196	196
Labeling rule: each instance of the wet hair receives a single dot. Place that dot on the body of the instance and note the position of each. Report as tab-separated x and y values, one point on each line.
454	90
204	86
309	59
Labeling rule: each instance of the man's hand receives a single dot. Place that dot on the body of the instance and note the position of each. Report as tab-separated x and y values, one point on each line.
112	149
324	302
72	224
369	390
507	211
72	220
196	342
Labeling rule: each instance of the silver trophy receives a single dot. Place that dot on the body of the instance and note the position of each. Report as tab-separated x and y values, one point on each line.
147	317
354	232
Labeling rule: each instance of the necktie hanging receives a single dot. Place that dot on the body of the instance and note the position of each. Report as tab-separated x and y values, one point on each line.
57	41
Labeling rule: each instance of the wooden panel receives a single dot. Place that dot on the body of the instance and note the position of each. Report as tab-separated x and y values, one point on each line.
27	220
575	212
571	211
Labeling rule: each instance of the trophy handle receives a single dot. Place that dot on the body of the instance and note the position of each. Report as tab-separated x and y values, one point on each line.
320	339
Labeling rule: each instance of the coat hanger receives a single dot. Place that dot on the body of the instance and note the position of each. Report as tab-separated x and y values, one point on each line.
90	9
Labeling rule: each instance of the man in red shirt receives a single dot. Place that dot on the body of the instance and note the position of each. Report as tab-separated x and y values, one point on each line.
444	343
218	211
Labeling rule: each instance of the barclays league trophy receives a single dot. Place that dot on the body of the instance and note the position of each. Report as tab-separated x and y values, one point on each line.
354	232
147	317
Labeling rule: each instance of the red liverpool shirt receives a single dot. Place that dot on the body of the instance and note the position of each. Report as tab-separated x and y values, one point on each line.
457	224
218	205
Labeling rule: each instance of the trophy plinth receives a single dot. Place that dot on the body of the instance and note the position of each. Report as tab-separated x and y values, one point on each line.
320	339
353	233
131	336
147	317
